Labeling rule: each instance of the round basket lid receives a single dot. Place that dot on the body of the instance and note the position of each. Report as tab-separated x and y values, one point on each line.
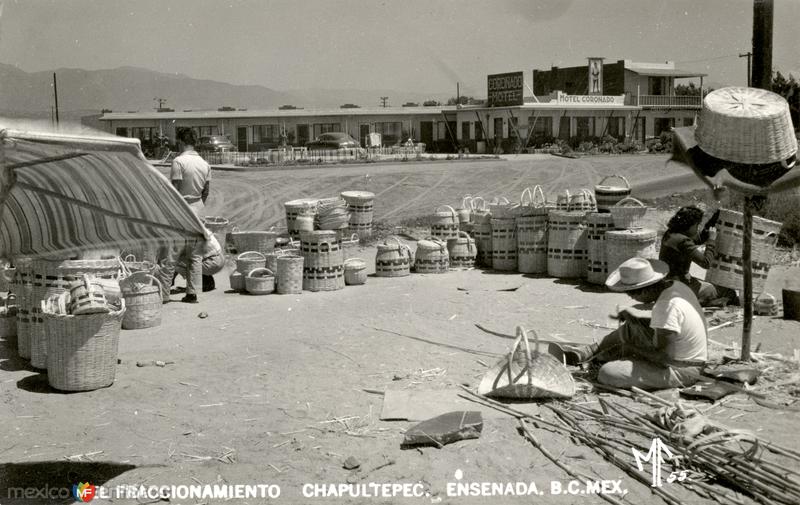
302	202
357	194
612	189
355	264
641	233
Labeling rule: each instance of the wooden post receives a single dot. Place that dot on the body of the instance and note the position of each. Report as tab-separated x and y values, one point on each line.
747	266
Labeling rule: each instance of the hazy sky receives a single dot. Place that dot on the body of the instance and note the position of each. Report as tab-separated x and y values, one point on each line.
413	45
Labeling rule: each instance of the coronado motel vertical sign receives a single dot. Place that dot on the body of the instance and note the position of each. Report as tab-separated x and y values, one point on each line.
504	89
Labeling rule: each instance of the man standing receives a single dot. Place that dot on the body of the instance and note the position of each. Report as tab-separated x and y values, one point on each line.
191	176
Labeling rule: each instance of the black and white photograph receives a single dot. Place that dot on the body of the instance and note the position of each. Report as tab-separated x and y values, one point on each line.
400	252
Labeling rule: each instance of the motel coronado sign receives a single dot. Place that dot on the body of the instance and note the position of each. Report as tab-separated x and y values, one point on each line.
565	99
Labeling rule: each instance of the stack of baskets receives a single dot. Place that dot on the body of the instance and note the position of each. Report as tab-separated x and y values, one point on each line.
630	239
332	214
431	257
245	262
531	228
323	265
607	196
597	224
359	204
445	223
295	208
393	259
253	240
142	294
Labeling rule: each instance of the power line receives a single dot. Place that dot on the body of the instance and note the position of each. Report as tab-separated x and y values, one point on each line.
710	59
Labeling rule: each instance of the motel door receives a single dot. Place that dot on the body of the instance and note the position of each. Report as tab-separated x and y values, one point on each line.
563	128
426	133
241	139
363	134
302	134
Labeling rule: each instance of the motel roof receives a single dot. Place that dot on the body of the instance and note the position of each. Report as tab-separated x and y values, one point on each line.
256	113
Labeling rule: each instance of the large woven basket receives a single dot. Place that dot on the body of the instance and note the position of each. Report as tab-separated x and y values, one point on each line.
142	294
323	265
289	274
562	201
271	261
583	201
607	196
597	224
431	257
360	205
393	259
504	244
8	318
531	225
445	223
527	374
622	245
629	213
82	349
250	260
294	208
355	272
259	241
218	226
462	251
726	268
259	281
567	252
350	246
482	233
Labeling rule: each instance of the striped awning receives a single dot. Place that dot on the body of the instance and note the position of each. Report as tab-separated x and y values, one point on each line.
62	194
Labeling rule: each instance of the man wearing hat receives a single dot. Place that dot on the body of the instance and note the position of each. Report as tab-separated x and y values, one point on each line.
663	349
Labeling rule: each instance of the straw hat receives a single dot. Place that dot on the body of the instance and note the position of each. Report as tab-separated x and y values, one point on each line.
636	273
744	136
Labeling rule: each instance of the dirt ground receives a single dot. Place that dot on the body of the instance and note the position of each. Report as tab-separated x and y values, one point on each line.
281	389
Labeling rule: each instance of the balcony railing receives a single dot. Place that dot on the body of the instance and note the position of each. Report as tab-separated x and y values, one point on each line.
667	101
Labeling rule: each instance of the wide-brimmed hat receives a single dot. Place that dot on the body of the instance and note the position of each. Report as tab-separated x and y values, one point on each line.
636	273
744	138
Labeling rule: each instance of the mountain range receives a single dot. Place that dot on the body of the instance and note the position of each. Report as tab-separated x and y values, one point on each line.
124	89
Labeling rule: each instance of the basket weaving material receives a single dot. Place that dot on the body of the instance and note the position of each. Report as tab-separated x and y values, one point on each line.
22	286
462	251
8	318
504	244
355	272
236	280
323	265
332	215
83	349
607	196
597	225
295	208
259	281
350	246
527	374
726	268
431	257
482	233
583	201
531	227
259	241
393	259
250	260
629	213
567	252
445	223
289	275
622	245
360	205
143	302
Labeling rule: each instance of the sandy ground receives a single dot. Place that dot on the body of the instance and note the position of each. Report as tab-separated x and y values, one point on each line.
271	389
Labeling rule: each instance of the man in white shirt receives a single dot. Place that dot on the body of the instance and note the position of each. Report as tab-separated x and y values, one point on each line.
665	348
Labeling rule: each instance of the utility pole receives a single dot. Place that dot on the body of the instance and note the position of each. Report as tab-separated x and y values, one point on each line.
749	56
384	99
161	102
55	94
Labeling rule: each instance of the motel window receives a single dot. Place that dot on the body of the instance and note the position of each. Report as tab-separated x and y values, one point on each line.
466	134
583	124
143	134
662	124
391	133
122	132
478	130
614	127
266	133
205	131
320	128
542	128
688	121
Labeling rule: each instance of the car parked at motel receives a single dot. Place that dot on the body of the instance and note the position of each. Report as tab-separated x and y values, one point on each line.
215	144
333	140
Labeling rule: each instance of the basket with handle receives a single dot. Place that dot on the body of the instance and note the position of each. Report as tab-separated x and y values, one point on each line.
83	348
360	206
531	227
350	246
323	265
87	296
393	259
355	272
504	243
480	213
562	201
582	201
502	208
445	223
431	257
726	267
607	196
142	294
236	280
132	265
622	245
465	210
8	317
289	275
597	224
259	241
249	260
272	261
527	374
629	213
259	281
566	244
462	251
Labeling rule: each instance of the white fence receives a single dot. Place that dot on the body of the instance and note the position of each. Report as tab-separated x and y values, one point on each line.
291	156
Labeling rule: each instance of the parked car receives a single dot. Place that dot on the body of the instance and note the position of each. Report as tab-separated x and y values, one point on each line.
215	144
333	140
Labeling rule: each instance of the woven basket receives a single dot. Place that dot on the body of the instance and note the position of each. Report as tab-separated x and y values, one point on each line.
87	296
527	374
480	213
249	260
726	268
272	261
350	246
531	225
504	243
562	201
8	318
393	259
295	208
629	213
142	293
259	281
259	241
622	245
607	196
465	210
355	272
445	223
323	265
501	208
597	225
22	286
566	244
289	275
236	280
132	265
360	205
83	349
482	233
431	257
583	201
218	226
462	251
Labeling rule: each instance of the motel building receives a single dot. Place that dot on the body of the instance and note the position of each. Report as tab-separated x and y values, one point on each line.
626	100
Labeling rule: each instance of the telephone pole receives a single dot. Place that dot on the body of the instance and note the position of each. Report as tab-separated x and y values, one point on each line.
161	102
55	95
749	57
384	99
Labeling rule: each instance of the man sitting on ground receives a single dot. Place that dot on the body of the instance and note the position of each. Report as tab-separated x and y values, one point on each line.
665	348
